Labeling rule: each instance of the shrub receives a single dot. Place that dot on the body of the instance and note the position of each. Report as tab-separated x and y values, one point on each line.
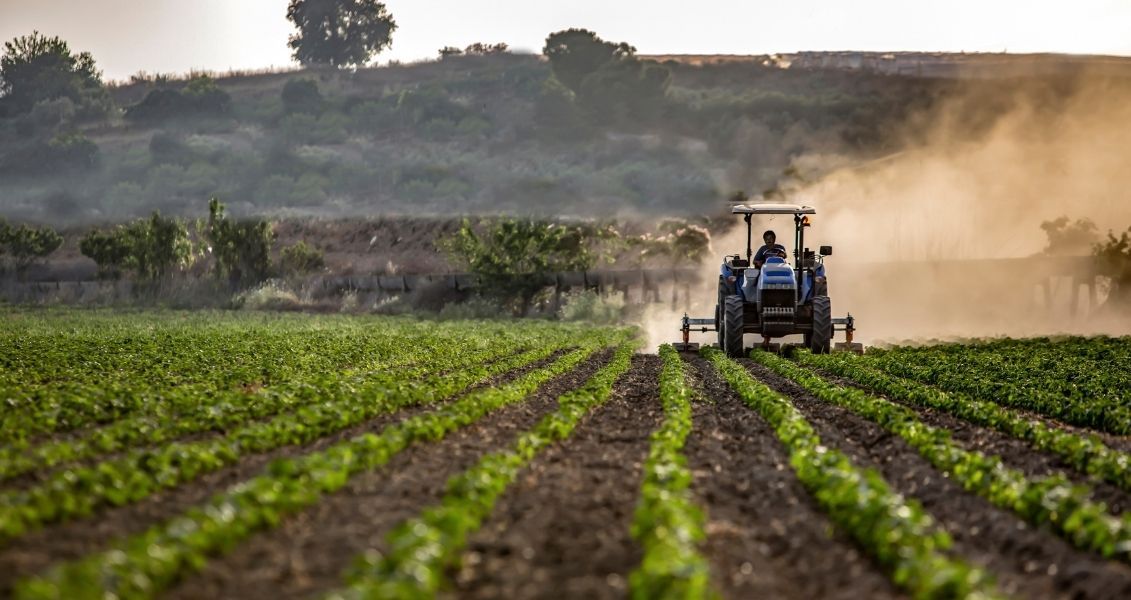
27	244
270	295
64	152
301	258
201	98
151	247
242	249
302	96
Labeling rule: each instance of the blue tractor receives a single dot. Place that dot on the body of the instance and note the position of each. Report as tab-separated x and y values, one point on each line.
774	299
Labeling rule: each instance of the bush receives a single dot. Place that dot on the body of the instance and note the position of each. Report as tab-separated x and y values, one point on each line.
301	128
301	258
201	98
302	96
151	247
242	249
50	115
374	118
270	295
64	152
167	147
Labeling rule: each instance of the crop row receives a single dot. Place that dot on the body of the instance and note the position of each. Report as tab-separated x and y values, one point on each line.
145	564
79	491
668	524
1050	501
421	549
1061	382
897	533
219	411
1087	453
70	401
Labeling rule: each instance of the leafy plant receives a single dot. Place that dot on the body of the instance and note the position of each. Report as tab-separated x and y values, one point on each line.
1050	501
26	244
896	532
667	523
242	249
300	258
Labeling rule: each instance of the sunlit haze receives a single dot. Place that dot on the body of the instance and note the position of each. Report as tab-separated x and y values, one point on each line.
175	36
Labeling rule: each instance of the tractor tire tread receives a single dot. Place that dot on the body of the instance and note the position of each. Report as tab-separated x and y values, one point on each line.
820	340
732	326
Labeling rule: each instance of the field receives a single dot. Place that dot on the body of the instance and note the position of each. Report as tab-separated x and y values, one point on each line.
224	455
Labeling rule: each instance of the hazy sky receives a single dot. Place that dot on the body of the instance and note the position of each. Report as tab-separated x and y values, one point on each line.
127	36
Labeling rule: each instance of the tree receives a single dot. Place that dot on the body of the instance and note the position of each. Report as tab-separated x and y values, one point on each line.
512	256
574	54
27	244
1070	238
151	247
339	33
1113	259
242	248
38	68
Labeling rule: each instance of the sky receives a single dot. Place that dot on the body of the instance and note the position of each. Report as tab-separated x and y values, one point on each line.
175	36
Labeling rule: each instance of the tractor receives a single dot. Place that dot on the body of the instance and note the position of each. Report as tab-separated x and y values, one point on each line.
776	299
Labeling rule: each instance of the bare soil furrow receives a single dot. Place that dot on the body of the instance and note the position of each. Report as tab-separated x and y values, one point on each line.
562	530
766	536
1028	562
310	551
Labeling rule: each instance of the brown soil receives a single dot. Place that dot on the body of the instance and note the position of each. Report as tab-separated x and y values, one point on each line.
67	541
310	551
766	536
562	530
1029	562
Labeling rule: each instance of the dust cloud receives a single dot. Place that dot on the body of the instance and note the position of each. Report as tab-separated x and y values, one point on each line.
922	238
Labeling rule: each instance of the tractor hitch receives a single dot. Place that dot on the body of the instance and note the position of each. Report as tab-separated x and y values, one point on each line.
687	325
848	326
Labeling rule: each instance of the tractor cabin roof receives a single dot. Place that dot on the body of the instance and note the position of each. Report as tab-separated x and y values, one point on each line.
766	208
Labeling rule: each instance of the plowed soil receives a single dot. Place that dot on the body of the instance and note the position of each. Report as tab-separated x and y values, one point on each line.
1028	562
562	529
72	539
310	551
766	536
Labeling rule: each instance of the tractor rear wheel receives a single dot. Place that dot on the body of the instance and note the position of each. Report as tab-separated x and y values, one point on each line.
820	340
732	326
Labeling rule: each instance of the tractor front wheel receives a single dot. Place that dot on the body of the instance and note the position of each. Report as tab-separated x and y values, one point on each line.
732	326
820	340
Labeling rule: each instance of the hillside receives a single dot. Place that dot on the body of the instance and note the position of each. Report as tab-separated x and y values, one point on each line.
469	134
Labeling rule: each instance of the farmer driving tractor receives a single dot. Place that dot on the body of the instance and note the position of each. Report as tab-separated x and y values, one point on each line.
769	248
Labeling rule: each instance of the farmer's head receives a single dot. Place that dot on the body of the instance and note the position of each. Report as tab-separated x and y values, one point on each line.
769	237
